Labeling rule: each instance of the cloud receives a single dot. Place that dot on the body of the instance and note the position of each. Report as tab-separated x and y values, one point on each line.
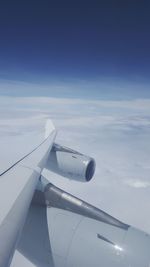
138	184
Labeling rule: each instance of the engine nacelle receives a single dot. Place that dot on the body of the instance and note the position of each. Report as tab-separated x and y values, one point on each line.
70	163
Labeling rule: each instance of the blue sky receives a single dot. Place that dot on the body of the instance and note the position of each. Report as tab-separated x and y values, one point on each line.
66	43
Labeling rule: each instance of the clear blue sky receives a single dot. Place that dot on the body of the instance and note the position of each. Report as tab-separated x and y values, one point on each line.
66	41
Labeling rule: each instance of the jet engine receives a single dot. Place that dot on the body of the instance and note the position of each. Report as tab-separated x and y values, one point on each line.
70	163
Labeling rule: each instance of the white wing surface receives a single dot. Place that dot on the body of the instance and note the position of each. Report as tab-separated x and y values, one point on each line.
18	180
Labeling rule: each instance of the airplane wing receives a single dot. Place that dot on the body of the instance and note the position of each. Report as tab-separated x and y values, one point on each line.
18	181
53	228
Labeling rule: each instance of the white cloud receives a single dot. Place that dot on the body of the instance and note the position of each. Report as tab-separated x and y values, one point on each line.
138	184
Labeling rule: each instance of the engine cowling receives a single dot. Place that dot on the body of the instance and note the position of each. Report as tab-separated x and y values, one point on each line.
71	164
